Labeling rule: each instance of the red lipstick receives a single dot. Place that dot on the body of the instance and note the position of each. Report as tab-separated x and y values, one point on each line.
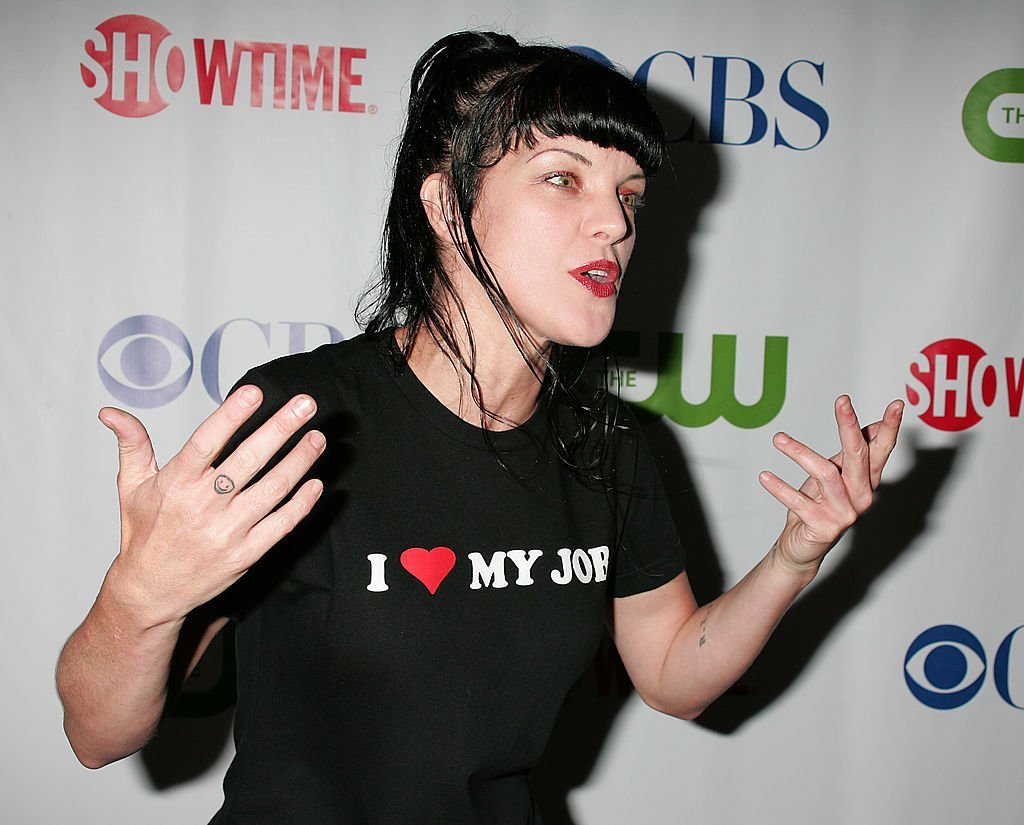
598	276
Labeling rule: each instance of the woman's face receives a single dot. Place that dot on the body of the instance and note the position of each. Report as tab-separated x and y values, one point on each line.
556	223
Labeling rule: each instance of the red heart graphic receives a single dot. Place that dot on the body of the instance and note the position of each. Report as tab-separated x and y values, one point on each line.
429	566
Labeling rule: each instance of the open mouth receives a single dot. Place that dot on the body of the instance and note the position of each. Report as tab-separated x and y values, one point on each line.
599	277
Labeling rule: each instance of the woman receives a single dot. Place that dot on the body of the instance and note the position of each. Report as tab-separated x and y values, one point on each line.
404	651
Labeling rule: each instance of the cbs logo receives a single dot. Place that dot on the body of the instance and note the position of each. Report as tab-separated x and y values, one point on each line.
946	665
146	361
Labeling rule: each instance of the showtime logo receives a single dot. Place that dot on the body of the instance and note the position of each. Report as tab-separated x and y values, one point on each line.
135	69
954	383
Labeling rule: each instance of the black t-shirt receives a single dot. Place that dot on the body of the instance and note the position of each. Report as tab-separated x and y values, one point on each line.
402	656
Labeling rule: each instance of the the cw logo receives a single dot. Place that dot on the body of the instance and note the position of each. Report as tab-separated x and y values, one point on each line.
668	399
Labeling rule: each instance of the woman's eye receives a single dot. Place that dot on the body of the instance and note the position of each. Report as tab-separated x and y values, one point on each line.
562	179
634	200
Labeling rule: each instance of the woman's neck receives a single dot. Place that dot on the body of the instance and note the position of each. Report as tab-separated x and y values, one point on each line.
508	385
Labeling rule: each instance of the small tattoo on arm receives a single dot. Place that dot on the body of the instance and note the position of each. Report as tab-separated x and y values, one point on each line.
703	632
223	484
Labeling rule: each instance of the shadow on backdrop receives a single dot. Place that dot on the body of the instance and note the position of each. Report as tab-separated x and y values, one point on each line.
654	289
881	537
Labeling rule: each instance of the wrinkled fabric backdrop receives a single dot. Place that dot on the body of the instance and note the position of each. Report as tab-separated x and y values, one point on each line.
188	188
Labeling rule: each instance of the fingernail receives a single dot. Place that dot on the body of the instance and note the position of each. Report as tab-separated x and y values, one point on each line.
317	440
249	396
303	407
781	438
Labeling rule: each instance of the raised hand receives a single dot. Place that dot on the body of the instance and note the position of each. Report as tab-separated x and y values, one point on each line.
837	489
190	530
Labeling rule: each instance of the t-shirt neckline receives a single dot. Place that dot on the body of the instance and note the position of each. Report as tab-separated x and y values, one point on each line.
433	410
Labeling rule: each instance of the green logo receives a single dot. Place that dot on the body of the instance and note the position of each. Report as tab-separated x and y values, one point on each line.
993	115
721	402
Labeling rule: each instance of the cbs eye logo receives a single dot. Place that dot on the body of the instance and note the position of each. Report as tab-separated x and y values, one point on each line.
946	665
145	361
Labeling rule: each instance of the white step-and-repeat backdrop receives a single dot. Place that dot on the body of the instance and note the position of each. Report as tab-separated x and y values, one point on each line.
188	188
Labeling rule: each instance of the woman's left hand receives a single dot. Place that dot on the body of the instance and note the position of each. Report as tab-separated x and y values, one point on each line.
837	489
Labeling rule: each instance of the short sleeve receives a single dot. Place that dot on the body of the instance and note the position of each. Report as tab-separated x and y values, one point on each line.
649	553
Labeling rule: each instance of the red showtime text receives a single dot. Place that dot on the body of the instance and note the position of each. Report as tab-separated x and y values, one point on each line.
135	68
954	383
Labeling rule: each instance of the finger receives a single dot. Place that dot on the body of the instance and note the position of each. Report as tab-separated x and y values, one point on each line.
882	440
880	437
135	457
871	430
825	472
854	457
275	526
252	455
792	499
209	439
272	489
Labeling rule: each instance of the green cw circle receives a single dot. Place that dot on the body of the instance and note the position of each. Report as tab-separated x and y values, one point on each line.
975	116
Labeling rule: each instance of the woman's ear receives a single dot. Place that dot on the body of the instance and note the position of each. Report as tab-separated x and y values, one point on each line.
434	195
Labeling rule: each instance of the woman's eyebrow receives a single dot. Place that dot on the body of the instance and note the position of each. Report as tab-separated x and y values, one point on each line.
581	158
575	155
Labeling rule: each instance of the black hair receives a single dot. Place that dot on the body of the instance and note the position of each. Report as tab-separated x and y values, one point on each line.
474	97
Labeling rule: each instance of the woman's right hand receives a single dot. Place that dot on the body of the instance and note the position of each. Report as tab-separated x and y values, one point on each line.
190	530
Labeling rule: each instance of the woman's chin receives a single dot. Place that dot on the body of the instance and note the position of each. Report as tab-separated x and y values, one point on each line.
586	336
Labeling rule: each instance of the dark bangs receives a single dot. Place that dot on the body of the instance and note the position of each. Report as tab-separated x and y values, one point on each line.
556	93
582	98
